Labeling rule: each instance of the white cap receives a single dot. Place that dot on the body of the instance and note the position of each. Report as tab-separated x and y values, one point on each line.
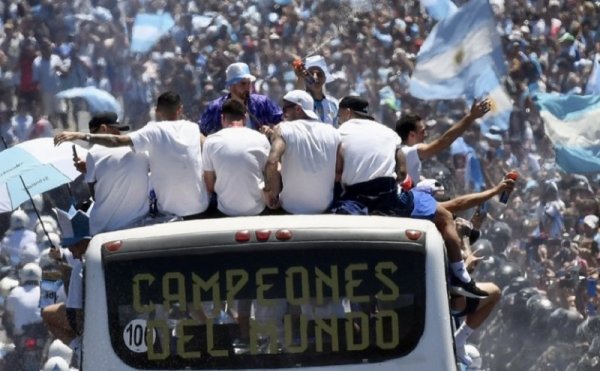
61	350
30	272
236	72
430	186
304	100
18	219
591	221
319	62
56	364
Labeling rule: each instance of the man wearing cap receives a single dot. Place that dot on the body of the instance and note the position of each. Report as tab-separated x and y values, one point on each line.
307	151
413	131
373	165
234	159
261	110
312	77
174	153
117	177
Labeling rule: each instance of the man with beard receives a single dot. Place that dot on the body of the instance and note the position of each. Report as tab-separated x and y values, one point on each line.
261	110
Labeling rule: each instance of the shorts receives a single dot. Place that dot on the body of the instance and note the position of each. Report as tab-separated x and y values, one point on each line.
424	205
470	307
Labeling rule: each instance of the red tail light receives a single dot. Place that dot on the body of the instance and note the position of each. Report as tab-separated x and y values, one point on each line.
242	236
283	234
413	235
263	235
30	343
113	246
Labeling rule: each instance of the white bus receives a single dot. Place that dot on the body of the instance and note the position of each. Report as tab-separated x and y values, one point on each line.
285	292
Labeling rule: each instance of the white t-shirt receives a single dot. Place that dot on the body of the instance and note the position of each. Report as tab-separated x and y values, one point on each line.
413	162
23	304
15	243
238	157
174	152
369	150
121	187
308	166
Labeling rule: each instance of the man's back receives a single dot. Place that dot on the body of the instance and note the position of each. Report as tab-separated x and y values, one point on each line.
308	166
369	150
174	153
121	187
22	303
237	156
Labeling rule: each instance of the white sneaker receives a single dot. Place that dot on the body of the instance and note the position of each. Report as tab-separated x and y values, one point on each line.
463	357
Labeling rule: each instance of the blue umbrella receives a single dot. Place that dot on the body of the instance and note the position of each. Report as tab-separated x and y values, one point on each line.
98	100
34	167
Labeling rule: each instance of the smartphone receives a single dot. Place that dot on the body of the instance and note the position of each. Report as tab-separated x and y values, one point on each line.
74	152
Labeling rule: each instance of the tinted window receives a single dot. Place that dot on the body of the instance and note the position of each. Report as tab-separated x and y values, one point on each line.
268	305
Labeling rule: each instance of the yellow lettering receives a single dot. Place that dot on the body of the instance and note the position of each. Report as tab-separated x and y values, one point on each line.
352	284
289	332
160	328
210	339
212	284
391	324
331	329
137	296
182	338
363	324
329	280
236	279
179	295
262	287
387	281
304	286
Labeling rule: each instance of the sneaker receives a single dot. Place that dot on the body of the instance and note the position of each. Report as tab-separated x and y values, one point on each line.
468	289
462	356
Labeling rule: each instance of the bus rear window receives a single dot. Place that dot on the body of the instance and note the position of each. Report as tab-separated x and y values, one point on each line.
268	305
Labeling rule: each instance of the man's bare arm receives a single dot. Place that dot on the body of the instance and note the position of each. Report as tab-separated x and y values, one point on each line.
272	175
401	166
107	140
478	109
470	200
339	163
209	179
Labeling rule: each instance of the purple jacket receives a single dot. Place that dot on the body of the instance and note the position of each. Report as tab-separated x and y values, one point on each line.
261	110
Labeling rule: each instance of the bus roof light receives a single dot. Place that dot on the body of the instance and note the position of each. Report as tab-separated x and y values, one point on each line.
413	235
263	235
242	236
113	246
283	234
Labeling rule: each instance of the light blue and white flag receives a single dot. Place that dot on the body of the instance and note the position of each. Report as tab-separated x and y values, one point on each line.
571	122
439	9
489	85
148	29
460	49
593	84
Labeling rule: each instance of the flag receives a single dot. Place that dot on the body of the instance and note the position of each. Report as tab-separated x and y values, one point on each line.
439	9
460	49
593	84
148	29
489	85
571	123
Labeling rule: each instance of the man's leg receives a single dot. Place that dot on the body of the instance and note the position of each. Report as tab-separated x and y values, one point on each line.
55	319
462	283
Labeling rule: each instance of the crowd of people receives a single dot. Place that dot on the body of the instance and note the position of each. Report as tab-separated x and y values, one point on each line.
541	248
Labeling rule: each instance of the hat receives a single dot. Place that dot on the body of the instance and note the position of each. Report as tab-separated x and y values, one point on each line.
358	105
236	72
74	225
319	62
304	100
591	221
108	119
430	186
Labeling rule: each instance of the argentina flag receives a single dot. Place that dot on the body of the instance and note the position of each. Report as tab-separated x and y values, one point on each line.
571	123
460	49
148	29
439	9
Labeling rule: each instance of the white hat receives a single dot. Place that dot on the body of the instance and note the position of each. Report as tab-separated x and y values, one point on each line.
319	62
591	221
304	100
236	72
430	186
56	364
61	350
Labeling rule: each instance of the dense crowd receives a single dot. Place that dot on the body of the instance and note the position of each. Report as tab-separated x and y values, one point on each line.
543	246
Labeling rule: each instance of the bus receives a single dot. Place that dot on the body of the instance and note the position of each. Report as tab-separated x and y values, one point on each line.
286	292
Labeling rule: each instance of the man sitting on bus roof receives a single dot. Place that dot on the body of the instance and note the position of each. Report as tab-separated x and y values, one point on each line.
373	164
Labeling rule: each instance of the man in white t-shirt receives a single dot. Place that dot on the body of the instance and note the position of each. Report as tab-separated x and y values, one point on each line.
373	165
22	303
233	159
307	151
174	152
413	131
117	177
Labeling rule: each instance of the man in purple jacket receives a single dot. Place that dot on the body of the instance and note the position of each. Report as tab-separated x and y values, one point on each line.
261	110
